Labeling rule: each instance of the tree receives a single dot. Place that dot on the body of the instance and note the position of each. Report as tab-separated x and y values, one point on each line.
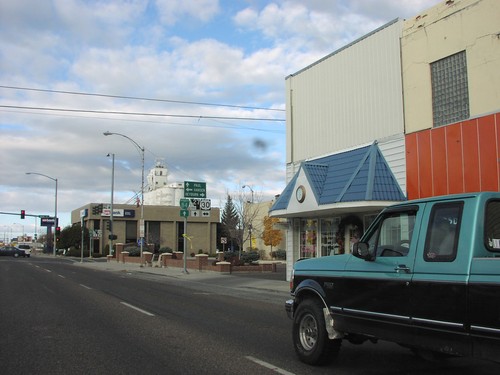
230	222
71	236
249	209
272	237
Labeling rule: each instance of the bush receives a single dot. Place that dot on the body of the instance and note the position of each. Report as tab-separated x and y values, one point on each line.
249	257
133	251
279	254
165	249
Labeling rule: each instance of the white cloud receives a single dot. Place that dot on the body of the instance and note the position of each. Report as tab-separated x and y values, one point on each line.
172	11
158	49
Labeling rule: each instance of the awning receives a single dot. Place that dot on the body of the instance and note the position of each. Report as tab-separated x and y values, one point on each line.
350	180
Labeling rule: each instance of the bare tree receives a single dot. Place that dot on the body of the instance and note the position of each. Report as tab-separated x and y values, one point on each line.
248	208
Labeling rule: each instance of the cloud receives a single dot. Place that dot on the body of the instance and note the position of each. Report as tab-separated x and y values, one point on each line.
234	52
171	12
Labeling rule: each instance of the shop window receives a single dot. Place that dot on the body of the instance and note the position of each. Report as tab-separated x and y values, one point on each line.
450	91
308	238
329	228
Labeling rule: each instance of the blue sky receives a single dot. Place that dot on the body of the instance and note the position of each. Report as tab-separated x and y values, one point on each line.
234	54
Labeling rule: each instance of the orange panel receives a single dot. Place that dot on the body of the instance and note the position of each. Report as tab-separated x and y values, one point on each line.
439	165
425	163
455	158
412	178
471	156
488	156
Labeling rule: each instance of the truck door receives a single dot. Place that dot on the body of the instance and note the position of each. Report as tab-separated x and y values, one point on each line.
376	293
439	283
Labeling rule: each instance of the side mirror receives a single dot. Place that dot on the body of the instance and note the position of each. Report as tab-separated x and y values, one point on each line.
361	250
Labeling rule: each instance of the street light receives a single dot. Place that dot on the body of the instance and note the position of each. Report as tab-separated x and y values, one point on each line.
141	151
111	232
250	224
55	207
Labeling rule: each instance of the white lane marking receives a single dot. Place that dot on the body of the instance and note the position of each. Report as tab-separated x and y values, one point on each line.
61	276
269	366
47	270
85	286
137	309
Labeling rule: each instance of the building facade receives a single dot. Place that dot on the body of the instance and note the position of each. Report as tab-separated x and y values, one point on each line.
164	227
407	111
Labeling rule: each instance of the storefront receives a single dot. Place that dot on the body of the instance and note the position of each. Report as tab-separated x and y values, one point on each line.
331	201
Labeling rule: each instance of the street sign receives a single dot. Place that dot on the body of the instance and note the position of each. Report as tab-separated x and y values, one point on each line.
205	204
184	203
185	213
195	189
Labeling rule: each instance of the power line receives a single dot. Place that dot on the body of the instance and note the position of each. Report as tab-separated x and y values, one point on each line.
218	125
138	98
139	113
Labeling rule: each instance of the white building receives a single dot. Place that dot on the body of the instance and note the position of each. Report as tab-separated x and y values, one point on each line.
159	191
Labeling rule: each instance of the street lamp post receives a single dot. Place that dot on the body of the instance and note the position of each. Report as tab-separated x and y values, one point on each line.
141	150
111	231
55	207
250	224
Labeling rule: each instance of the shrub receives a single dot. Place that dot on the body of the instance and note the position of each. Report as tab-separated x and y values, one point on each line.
133	251
165	249
279	254
249	257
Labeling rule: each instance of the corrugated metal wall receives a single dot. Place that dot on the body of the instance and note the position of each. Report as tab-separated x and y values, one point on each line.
458	158
351	97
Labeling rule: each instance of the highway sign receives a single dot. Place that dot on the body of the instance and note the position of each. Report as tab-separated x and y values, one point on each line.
184	203
184	213
195	189
205	204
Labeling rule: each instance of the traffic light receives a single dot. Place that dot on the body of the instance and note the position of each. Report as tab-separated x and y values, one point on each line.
23	214
109	226
58	233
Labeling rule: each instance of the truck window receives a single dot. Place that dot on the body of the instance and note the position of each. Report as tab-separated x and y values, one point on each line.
443	232
492	226
393	237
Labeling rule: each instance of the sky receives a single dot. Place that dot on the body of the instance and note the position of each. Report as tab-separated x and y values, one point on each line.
199	84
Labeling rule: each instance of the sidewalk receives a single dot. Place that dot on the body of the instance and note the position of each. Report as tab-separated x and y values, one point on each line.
234	280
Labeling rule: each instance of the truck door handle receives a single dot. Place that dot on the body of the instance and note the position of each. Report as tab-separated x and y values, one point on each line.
402	267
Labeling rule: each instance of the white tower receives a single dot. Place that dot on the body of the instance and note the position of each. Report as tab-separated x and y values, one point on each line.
158	176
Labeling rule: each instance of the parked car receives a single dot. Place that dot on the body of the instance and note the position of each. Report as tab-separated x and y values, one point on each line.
12	251
26	248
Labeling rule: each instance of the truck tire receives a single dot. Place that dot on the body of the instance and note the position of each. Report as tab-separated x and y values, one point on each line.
310	338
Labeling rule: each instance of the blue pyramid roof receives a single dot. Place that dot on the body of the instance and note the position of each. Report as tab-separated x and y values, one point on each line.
357	175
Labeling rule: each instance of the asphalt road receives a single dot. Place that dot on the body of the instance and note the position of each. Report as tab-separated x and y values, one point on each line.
57	317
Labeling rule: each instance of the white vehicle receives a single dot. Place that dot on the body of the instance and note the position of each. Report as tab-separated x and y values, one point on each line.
26	248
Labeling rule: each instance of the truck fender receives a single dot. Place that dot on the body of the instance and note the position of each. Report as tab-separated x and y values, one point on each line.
311	287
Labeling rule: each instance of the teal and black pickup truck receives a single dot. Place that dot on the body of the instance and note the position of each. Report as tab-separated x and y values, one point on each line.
425	275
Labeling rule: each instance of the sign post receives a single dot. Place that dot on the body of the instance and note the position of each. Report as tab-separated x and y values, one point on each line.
197	191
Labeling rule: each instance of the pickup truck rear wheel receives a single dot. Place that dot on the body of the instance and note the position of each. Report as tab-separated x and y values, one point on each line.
310	338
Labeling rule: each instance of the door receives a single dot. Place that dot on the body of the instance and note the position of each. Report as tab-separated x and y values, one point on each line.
375	294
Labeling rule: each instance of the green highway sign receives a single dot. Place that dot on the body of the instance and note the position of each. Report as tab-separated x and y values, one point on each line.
184	203
195	189
185	213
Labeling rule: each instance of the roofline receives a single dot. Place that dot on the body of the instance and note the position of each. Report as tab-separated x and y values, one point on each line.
345	47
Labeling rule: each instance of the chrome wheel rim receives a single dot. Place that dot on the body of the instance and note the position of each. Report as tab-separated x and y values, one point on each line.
308	332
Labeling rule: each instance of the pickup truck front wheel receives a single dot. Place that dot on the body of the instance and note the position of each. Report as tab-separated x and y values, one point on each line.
310	337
